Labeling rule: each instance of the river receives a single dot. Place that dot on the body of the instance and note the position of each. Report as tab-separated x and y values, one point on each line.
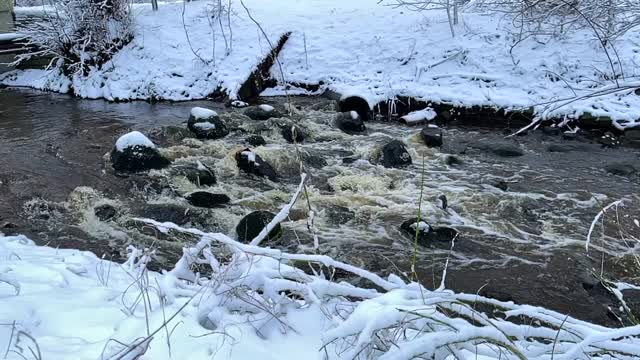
525	244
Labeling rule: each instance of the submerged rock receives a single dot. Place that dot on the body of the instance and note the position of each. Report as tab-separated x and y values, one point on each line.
432	136
197	173
206	124
175	133
357	104
315	161
350	122
293	134
501	184
105	212
256	140
252	163
395	155
426	233
262	112
135	152
452	160
621	168
207	200
251	225
499	149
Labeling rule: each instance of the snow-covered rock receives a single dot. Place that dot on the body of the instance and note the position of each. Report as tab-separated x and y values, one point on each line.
350	122
135	152
206	124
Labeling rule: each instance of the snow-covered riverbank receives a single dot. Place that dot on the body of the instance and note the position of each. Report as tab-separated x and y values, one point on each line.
365	48
68	304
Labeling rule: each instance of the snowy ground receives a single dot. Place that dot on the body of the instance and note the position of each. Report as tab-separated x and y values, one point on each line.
360	46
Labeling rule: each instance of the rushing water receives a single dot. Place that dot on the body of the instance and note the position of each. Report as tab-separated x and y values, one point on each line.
525	244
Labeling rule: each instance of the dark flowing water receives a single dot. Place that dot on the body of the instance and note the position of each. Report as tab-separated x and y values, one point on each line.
525	244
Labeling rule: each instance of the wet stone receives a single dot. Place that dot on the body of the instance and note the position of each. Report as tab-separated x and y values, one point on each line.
251	163
105	212
314	161
452	160
252	224
137	158
349	160
175	133
256	140
339	215
395	155
426	233
350	122
198	173
176	214
206	199
431	136
621	168
501	184
262	112
293	134
207	127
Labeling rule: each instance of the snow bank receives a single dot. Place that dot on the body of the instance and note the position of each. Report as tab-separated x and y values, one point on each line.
134	138
364	48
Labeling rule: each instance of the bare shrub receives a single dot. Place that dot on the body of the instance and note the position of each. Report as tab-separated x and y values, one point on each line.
80	34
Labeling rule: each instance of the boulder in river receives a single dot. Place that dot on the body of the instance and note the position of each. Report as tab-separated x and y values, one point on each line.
177	214
432	136
262	112
252	163
256	140
293	134
135	152
206	124
197	173
350	122
206	199
251	225
357	104
395	155
621	168
427	233
105	212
